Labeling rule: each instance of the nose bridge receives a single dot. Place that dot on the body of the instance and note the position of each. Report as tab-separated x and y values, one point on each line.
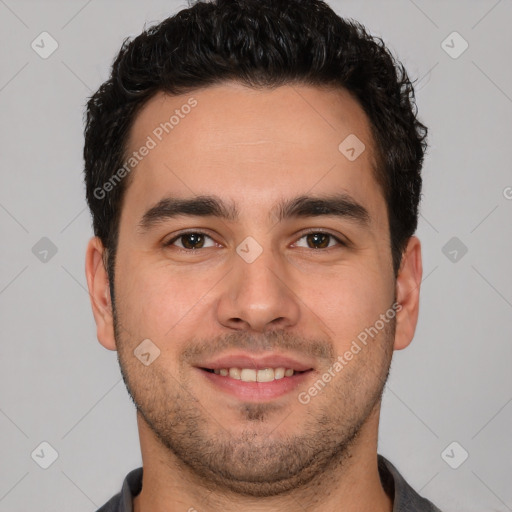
257	294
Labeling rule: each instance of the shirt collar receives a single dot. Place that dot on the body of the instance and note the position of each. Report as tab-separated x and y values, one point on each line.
404	497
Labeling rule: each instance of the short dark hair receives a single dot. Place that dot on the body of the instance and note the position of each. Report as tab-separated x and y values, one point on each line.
261	44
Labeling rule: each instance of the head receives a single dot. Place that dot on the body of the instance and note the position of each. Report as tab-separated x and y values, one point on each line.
250	114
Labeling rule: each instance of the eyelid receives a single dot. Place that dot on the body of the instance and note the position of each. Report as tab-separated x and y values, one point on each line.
187	232
342	240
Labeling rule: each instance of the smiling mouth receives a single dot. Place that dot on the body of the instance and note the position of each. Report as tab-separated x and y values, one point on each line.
254	375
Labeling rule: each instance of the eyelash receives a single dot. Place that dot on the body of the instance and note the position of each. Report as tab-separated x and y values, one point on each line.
314	231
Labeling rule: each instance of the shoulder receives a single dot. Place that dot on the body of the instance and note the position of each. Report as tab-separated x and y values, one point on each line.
405	498
112	504
123	501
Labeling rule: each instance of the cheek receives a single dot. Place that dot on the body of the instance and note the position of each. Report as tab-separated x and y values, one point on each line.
158	300
350	301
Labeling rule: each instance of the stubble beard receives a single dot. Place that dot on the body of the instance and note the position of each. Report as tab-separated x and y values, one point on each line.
253	462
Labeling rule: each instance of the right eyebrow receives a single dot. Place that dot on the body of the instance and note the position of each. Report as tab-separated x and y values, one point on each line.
172	207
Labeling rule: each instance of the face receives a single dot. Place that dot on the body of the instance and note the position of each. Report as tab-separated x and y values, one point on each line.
286	265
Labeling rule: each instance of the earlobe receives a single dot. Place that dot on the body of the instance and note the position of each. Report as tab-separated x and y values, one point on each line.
408	284
99	293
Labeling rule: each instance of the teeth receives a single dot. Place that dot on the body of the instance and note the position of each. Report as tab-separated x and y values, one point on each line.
279	373
234	373
252	375
248	375
266	375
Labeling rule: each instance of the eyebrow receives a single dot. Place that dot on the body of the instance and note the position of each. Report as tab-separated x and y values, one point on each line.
338	205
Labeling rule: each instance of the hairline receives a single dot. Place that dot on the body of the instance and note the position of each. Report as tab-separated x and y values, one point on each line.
376	160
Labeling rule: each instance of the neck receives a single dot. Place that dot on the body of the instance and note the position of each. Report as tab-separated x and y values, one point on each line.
351	483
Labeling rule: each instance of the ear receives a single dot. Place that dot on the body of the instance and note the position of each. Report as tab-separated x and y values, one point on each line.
408	284
99	293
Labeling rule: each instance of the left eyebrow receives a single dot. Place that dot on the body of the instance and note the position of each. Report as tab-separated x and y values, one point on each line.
338	205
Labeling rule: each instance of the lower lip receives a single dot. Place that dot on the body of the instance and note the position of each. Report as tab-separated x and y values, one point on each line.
256	391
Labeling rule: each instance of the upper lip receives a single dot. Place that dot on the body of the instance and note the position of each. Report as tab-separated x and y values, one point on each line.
256	362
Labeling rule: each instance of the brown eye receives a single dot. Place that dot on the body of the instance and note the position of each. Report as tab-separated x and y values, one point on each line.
190	241
320	240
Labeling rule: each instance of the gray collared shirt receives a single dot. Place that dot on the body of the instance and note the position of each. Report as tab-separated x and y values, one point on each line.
405	498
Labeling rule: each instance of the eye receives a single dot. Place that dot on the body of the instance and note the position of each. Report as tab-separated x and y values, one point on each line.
190	241
194	240
320	239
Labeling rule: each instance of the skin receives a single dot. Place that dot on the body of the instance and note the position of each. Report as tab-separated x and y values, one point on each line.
206	450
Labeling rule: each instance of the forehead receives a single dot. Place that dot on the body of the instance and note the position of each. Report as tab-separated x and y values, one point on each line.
245	142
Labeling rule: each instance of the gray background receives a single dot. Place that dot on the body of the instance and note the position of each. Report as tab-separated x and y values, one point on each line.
59	385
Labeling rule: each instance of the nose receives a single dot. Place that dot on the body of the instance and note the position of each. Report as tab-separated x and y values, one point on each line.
258	296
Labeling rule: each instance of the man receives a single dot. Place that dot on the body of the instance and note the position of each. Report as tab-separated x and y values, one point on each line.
253	172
